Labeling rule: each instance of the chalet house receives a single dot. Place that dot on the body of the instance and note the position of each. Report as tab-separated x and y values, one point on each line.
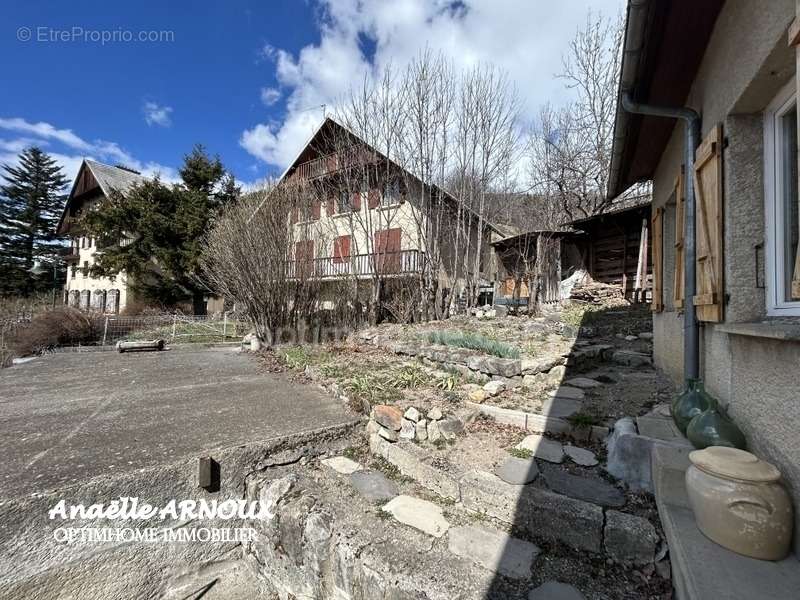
109	295
375	224
708	111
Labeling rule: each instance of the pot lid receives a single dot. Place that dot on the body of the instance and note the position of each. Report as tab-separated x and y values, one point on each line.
733	463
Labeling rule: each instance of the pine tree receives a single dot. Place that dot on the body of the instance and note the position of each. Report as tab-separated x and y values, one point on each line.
168	224
31	202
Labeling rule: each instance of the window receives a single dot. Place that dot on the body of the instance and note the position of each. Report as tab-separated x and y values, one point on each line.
74	271
391	193
85	269
781	194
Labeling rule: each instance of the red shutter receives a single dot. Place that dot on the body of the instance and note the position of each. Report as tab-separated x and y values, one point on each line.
294	216
341	249
387	250
331	206
304	257
316	209
373	198
356	201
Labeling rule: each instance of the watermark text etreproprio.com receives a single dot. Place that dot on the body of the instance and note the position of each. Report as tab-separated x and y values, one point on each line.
78	34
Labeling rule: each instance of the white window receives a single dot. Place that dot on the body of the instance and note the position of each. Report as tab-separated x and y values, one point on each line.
782	219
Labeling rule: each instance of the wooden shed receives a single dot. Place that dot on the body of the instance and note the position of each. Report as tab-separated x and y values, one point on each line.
616	247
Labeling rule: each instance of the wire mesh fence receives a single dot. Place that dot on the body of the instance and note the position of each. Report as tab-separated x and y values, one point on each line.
172	328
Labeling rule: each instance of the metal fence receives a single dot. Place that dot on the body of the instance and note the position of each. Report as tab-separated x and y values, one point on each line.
173	328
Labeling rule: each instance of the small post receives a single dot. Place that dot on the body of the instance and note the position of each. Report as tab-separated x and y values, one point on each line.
105	331
224	325
174	325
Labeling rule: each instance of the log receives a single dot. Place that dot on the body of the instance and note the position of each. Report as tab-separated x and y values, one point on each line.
140	345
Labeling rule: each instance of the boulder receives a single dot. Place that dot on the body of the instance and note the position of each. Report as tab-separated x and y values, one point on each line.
389	417
493	388
589	488
566	392
408	430
422	430
532	366
435	414
450	428
478	396
434	434
412	414
629	539
584	383
388	434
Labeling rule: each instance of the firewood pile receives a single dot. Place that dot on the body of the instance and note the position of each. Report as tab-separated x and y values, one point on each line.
595	292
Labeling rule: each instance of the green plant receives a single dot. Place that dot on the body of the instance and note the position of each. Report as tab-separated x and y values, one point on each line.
296	357
407	376
448	382
582	420
525	453
472	341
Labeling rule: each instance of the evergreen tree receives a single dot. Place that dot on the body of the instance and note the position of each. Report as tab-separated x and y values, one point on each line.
167	225
31	202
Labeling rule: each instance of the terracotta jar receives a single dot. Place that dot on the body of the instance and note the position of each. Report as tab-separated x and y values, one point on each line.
739	503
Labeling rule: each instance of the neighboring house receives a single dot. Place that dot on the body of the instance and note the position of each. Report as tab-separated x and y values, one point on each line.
374	223
94	182
734	63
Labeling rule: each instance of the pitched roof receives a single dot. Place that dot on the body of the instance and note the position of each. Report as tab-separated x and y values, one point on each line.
108	178
113	177
663	47
331	123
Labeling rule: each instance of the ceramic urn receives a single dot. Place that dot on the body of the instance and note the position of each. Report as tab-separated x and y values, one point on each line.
739	502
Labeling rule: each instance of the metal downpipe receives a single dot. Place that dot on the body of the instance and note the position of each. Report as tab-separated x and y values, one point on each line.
691	332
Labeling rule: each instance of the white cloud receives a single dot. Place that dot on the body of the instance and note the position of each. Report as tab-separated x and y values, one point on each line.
155	114
270	96
526	38
70	149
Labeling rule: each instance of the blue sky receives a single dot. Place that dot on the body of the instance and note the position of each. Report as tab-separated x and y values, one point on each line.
240	76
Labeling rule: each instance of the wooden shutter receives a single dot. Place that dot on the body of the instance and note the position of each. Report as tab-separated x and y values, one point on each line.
658	253
708	224
355	202
316	209
373	198
680	228
341	249
387	250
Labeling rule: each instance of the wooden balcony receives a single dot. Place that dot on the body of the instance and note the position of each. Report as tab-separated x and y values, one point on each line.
360	266
69	254
332	163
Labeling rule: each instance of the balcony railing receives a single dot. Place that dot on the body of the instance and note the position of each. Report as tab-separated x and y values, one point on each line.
403	262
331	163
69	254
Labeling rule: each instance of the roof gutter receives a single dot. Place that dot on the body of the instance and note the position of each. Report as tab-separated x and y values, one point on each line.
632	49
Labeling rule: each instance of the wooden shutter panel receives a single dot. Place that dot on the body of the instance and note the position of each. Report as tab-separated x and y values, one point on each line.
680	228
708	224
373	198
658	271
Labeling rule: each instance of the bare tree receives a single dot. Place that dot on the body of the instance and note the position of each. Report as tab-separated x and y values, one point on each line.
569	148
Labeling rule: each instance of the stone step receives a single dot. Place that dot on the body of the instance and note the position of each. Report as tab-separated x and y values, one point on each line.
493	550
702	569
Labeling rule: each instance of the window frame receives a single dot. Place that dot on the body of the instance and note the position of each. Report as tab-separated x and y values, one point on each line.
775	261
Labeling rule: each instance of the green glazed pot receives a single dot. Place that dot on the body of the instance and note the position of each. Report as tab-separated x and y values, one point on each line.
713	427
693	401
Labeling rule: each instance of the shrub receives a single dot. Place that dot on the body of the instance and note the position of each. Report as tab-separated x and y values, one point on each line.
473	341
61	326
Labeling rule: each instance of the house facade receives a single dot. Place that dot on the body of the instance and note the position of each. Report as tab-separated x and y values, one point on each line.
93	182
708	111
371	222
